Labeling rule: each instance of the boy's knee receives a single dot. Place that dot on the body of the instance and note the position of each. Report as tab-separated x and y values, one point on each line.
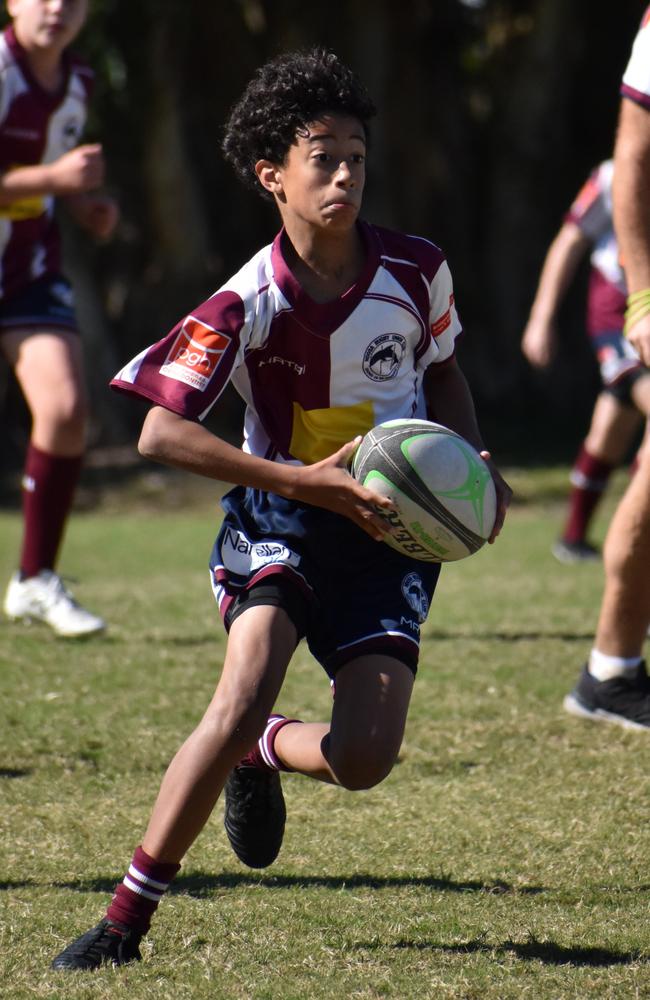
357	774
240	722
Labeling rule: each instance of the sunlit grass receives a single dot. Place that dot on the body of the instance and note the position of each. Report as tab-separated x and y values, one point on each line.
505	857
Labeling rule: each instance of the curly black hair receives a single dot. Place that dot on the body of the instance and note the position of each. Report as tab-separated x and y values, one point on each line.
286	95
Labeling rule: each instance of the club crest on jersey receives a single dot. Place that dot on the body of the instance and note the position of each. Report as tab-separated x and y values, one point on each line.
416	596
195	354
383	357
70	132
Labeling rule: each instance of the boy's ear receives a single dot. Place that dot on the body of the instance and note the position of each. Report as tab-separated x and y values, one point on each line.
268	176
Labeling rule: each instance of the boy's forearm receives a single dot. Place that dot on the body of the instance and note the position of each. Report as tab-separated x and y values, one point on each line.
565	253
184	444
631	190
25	182
449	402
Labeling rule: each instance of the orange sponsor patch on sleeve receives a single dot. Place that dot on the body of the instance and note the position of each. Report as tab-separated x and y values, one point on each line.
195	354
587	195
441	324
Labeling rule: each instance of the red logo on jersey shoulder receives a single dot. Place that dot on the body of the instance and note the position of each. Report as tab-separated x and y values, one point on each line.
587	195
195	354
443	321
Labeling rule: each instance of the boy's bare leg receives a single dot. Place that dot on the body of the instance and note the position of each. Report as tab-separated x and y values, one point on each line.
361	745
260	645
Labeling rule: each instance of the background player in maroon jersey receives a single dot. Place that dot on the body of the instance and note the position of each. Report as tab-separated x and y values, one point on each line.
613	686
299	553
43	99
624	400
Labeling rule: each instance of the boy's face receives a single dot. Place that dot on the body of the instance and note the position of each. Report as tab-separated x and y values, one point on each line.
44	24
322	178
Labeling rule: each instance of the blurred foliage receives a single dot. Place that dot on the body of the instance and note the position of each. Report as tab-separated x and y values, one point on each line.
491	115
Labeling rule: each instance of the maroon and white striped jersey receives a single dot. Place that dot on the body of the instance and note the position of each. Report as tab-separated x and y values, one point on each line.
35	127
591	211
312	375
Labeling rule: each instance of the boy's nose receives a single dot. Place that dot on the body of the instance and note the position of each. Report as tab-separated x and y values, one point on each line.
344	174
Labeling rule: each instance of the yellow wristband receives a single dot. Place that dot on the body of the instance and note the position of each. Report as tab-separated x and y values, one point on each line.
642	295
634	313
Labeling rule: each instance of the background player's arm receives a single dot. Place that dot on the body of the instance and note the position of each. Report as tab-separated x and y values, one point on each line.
539	341
449	402
79	170
97	213
631	190
173	440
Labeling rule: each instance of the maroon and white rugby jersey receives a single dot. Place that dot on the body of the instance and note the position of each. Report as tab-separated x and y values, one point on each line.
35	127
313	376
592	213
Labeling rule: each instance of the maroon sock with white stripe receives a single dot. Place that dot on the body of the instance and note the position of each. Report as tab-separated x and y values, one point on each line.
589	478
136	898
263	754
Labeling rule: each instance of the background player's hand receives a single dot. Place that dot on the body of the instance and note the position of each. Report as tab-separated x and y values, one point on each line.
539	342
639	337
504	495
328	484
97	213
82	169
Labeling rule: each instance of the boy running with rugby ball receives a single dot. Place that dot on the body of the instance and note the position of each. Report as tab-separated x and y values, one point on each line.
298	555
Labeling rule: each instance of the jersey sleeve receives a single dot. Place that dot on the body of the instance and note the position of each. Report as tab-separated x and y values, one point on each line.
443	319
636	78
187	370
591	211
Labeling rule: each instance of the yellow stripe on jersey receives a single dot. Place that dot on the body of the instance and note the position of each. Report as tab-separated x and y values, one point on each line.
26	208
319	433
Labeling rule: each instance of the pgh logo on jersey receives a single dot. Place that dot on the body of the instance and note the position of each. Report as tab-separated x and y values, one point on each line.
195	354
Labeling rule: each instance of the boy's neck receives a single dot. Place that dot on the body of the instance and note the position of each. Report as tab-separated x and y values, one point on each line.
325	268
46	65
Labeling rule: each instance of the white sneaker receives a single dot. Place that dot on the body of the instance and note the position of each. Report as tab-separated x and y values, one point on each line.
44	598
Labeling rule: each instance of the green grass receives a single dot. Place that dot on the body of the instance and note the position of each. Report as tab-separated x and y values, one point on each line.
505	857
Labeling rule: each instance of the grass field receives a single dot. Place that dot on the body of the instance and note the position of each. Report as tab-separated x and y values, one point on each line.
505	857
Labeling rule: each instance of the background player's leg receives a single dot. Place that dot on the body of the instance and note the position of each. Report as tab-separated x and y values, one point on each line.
625	609
612	430
48	366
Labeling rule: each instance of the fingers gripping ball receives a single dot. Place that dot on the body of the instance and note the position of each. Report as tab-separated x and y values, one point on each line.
442	489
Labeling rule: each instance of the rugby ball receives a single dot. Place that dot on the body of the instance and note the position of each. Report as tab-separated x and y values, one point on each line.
442	489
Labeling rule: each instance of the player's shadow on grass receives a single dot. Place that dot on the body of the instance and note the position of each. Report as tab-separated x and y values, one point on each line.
13	772
532	950
201	885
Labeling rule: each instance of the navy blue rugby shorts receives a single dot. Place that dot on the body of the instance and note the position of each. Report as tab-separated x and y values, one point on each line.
46	303
347	594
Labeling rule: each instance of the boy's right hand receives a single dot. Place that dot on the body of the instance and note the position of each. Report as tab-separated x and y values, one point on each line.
539	343
328	484
82	169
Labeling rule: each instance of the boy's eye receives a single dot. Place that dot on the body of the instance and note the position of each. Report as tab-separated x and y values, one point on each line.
322	157
358	158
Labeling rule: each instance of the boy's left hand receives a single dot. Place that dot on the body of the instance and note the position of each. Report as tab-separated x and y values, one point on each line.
504	495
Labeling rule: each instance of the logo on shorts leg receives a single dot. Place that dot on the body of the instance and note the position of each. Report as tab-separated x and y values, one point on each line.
416	596
62	292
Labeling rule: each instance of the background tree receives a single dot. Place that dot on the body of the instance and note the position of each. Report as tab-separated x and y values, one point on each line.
492	114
